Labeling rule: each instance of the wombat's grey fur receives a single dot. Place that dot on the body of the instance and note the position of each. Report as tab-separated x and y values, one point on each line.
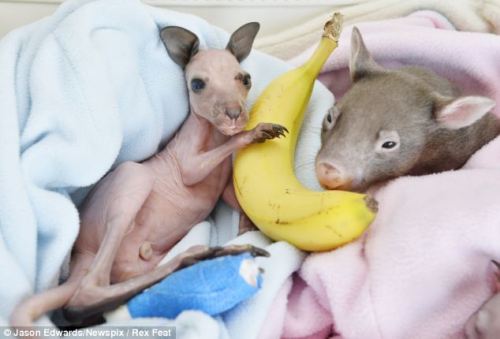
396	122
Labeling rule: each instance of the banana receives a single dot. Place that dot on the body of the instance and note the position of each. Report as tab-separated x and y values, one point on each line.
265	183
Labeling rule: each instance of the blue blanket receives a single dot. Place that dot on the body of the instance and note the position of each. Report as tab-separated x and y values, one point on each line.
80	92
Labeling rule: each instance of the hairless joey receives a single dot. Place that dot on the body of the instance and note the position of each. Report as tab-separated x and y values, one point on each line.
138	211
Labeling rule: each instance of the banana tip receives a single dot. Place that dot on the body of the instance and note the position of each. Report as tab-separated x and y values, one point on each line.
371	203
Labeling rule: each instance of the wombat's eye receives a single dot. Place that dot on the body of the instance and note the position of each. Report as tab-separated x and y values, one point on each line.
329	117
329	120
389	144
247	81
387	141
197	85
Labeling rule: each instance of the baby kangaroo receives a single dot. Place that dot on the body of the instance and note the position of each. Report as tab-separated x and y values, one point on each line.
140	210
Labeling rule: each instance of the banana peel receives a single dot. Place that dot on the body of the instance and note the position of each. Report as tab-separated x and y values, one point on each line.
265	183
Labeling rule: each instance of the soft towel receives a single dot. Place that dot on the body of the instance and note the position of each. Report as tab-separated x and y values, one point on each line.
82	91
424	265
245	320
466	15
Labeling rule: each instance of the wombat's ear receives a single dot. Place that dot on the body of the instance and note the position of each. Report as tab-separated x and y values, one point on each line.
361	62
455	113
180	43
241	41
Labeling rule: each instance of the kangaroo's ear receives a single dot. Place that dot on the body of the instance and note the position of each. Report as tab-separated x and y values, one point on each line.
181	44
241	41
455	113
361	62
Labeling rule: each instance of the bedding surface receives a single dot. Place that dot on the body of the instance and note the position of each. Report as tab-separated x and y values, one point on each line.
80	92
424	265
465	15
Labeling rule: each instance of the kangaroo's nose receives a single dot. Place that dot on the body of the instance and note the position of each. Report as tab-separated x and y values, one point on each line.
332	177
233	112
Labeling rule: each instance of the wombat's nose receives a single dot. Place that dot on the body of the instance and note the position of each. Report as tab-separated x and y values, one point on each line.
331	177
233	112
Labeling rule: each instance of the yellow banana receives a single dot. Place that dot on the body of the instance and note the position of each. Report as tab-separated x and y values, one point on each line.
264	179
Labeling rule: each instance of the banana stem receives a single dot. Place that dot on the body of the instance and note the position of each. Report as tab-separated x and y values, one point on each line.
314	65
329	41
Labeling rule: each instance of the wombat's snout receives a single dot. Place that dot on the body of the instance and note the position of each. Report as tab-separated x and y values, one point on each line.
332	177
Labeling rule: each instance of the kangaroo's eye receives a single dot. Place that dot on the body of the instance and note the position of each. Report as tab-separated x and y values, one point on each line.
247	81
197	85
389	144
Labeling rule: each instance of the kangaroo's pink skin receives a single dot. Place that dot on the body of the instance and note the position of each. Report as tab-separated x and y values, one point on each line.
140	210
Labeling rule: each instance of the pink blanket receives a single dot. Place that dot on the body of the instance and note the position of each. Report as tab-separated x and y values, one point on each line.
424	265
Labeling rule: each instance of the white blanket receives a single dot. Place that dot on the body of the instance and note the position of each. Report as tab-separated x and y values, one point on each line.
80	92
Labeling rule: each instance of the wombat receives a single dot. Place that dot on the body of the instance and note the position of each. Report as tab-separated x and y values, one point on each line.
396	122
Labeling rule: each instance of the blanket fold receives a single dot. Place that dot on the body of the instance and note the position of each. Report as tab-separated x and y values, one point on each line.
424	265
82	91
465	15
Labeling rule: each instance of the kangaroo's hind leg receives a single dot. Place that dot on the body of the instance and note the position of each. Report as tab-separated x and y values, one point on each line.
107	216
119	293
33	307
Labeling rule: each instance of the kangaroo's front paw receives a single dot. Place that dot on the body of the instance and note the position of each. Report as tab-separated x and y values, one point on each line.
265	131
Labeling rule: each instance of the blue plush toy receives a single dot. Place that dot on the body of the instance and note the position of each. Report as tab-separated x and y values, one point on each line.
212	286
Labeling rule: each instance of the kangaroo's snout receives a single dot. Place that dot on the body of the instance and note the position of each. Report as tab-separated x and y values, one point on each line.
233	112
